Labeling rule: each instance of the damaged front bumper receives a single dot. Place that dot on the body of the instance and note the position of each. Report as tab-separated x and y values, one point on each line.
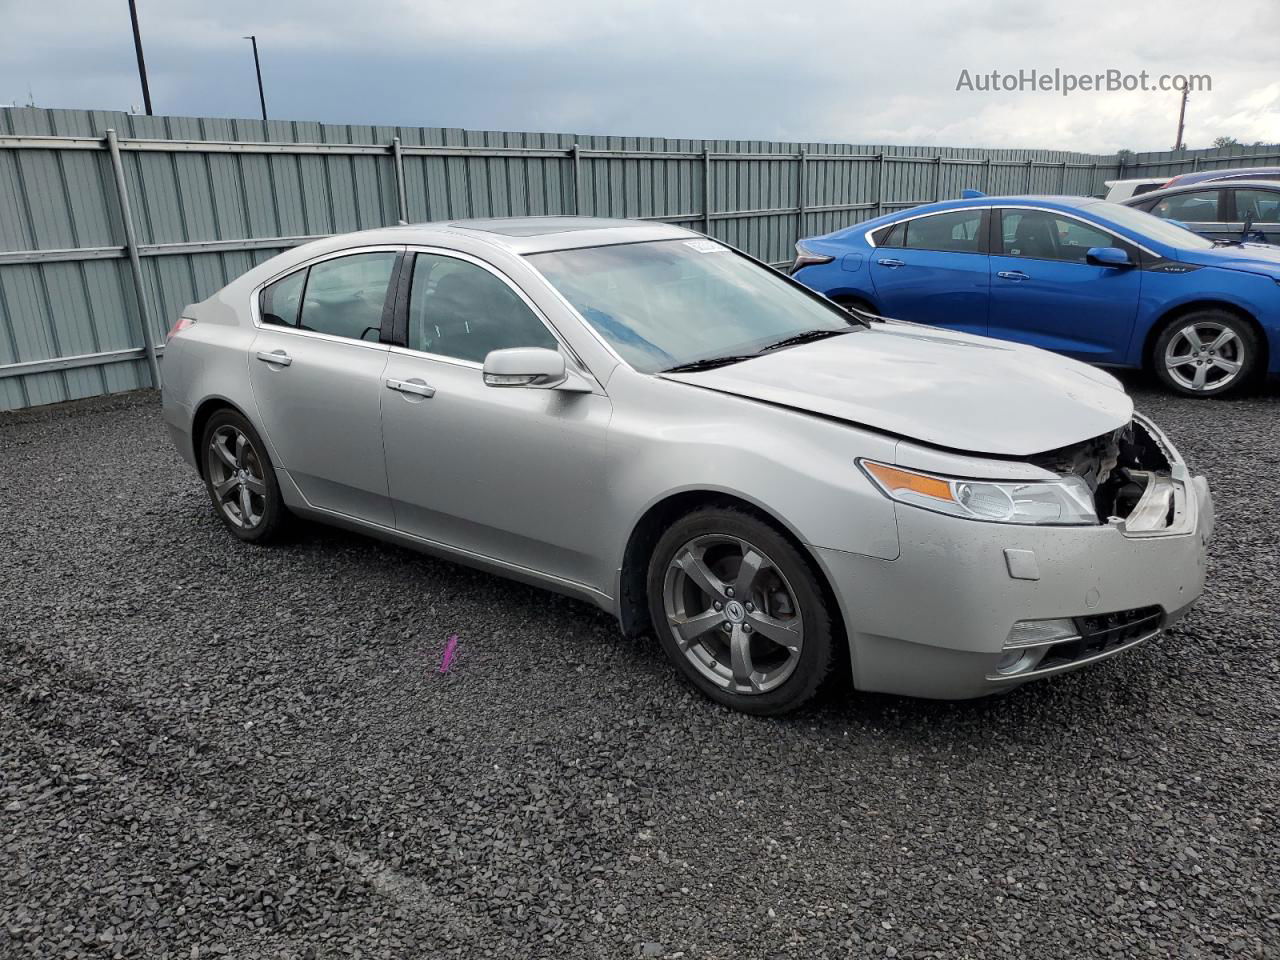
972	608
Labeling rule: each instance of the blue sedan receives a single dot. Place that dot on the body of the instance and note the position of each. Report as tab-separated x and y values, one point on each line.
1094	280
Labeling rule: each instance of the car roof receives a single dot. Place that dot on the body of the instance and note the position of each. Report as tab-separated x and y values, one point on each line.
1198	187
1201	176
941	206
517	235
522	235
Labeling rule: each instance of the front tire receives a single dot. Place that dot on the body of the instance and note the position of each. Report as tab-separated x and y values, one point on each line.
740	611
240	479
1206	353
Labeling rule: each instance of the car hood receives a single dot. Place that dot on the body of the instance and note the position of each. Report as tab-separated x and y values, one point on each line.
1263	258
944	388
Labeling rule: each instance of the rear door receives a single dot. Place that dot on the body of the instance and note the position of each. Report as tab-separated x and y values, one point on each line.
1043	292
316	369
934	269
1259	205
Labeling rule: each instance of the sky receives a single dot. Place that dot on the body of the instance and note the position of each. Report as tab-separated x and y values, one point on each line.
851	72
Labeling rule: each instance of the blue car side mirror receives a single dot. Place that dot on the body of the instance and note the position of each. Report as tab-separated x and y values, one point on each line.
1108	257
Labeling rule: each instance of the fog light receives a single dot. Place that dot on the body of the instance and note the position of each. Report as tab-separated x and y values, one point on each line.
1040	633
1015	662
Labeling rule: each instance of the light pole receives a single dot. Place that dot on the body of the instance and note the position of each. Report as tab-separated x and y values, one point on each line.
1182	116
257	65
142	64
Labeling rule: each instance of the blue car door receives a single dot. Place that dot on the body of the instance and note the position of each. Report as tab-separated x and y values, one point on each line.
934	269
1045	293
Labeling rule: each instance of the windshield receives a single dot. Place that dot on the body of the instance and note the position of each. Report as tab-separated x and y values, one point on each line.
668	303
1162	231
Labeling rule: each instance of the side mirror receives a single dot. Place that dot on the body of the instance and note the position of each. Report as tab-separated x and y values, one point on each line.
536	367
1107	257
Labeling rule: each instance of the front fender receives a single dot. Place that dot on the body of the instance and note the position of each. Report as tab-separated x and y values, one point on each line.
669	438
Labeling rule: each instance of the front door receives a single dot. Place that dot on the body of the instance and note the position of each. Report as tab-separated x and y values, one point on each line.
513	474
1204	211
934	269
1043	292
1259	207
316	370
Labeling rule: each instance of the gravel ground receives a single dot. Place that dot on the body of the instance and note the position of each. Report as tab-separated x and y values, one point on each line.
213	750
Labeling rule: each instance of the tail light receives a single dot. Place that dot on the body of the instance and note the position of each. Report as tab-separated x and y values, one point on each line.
182	324
806	258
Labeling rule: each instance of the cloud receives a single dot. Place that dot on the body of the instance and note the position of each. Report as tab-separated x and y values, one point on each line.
754	69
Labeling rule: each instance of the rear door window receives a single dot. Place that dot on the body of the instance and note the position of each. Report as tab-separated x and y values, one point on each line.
891	236
956	232
281	300
344	297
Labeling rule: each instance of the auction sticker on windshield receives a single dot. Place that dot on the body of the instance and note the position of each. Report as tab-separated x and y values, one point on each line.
706	246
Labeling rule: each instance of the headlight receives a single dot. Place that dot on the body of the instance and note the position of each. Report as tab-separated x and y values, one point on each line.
1067	500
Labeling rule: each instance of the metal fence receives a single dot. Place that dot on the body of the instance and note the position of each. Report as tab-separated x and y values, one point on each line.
1170	163
110	223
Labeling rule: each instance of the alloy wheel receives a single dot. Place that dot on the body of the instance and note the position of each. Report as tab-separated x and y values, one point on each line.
733	614
1205	355
237	478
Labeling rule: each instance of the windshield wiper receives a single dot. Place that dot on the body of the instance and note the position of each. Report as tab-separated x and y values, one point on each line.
709	363
806	337
1227	243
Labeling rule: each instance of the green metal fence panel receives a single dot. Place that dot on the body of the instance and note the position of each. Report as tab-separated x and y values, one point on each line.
1170	163
211	197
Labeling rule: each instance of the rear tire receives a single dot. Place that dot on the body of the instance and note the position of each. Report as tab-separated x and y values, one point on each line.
240	479
1206	353
740	611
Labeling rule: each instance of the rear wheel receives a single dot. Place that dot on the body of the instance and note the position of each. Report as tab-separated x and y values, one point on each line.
1206	353
240	479
740	611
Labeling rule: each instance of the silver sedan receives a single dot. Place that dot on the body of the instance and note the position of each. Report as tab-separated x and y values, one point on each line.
636	415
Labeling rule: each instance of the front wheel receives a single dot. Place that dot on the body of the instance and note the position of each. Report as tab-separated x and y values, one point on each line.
1206	353
740	611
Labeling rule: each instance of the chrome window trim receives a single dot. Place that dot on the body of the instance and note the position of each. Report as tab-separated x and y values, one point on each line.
255	296
1010	206
438	357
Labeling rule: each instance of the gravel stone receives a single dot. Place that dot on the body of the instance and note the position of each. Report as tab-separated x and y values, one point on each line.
213	750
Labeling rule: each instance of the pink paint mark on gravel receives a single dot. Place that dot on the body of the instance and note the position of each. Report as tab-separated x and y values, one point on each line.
450	649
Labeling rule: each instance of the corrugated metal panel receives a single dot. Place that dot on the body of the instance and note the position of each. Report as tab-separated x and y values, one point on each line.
1170	163
61	196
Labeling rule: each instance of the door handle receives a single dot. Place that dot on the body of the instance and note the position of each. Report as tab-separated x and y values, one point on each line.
1012	275
278	357
415	387
891	263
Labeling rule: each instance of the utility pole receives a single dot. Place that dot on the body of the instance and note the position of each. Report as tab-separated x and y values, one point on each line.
257	65
142	64
1182	116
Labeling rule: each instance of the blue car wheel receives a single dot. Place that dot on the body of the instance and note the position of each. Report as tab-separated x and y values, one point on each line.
1206	353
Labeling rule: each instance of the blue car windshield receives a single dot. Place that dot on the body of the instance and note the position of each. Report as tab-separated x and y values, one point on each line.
667	303
1145	225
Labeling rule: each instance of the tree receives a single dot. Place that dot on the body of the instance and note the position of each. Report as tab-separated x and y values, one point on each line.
1222	143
